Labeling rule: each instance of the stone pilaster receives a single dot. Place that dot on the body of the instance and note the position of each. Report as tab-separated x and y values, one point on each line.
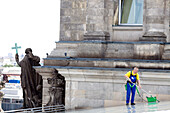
72	20
156	20
82	16
99	19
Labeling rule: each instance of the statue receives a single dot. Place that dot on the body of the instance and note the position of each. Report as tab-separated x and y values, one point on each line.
57	89
31	81
2	85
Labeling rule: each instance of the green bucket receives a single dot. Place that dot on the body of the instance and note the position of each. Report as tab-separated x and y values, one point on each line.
126	87
151	99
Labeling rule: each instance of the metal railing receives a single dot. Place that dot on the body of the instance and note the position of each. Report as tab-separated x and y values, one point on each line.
45	109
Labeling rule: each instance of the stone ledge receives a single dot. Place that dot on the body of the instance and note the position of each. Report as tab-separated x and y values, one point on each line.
108	59
97	35
96	68
108	63
128	27
116	76
110	42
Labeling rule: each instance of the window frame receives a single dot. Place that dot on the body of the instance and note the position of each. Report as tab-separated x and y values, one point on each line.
119	20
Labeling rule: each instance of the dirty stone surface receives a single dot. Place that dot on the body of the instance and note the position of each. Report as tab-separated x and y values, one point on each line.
161	107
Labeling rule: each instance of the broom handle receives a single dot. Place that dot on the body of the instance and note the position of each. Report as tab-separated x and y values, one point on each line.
146	92
142	89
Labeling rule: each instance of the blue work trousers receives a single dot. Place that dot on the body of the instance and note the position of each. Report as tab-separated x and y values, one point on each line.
129	90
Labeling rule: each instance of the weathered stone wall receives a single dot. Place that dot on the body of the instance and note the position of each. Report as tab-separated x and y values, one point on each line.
72	19
81	16
156	20
167	19
100	83
120	50
156	15
99	13
91	88
126	33
169	14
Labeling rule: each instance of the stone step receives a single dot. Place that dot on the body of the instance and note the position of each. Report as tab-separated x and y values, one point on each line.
167	46
166	54
105	49
107	63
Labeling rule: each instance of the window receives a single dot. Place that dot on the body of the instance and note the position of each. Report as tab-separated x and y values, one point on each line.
130	12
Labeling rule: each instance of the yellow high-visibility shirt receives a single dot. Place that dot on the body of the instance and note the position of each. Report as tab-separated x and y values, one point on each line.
128	75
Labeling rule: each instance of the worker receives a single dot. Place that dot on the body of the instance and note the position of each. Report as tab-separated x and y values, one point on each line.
132	77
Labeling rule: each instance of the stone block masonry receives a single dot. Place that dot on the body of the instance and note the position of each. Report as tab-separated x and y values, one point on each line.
100	87
93	55
81	16
103	49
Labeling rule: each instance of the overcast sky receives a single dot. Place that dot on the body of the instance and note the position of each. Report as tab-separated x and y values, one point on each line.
30	23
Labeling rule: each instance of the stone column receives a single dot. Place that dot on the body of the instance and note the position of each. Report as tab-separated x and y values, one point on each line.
156	20
99	19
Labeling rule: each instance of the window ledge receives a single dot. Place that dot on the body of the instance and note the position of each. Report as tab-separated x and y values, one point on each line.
128	27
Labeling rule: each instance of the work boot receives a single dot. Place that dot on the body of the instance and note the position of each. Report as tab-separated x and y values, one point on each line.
132	103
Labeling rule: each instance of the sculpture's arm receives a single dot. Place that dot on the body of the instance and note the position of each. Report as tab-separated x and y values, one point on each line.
17	59
36	59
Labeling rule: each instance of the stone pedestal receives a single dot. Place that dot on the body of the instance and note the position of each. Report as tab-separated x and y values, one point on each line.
156	20
154	37
166	54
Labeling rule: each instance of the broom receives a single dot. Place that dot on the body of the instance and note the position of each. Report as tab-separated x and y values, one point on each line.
149	99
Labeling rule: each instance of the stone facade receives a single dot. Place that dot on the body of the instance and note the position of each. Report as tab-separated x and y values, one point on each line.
156	20
83	16
98	87
94	53
73	19
122	50
97	20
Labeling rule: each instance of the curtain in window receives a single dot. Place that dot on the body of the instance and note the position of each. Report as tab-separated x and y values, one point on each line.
131	11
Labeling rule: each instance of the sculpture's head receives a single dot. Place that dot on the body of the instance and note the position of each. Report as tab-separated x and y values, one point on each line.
28	50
